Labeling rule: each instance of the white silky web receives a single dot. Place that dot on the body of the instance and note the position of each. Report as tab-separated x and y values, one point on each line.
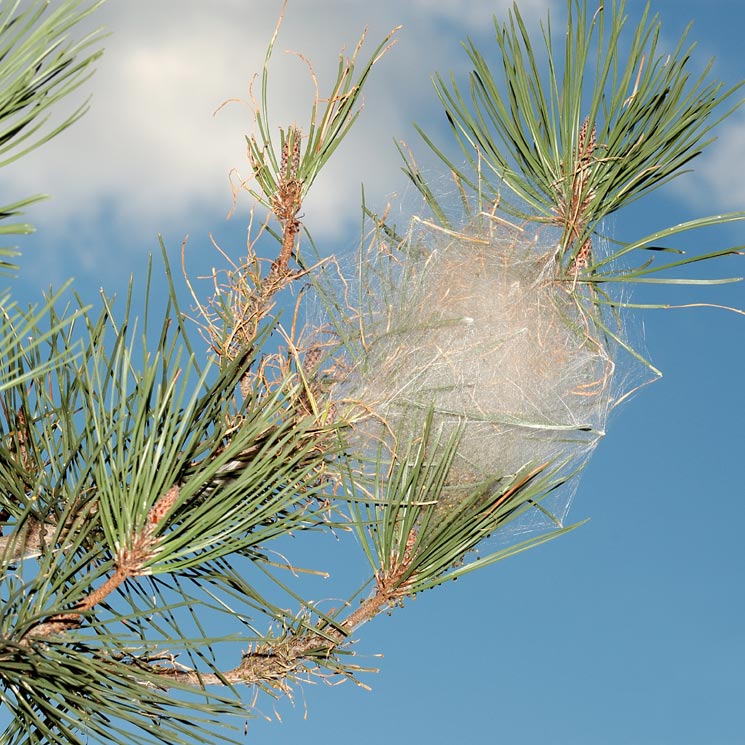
473	327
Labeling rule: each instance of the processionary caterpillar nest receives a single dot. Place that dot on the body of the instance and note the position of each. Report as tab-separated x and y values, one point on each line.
473	329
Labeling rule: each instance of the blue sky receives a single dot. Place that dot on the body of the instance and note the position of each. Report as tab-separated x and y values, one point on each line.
629	631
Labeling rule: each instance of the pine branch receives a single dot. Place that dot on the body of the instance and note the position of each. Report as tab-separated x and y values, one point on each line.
274	663
26	542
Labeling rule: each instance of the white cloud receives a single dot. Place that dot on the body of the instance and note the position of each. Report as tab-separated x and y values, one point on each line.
718	183
478	13
150	153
